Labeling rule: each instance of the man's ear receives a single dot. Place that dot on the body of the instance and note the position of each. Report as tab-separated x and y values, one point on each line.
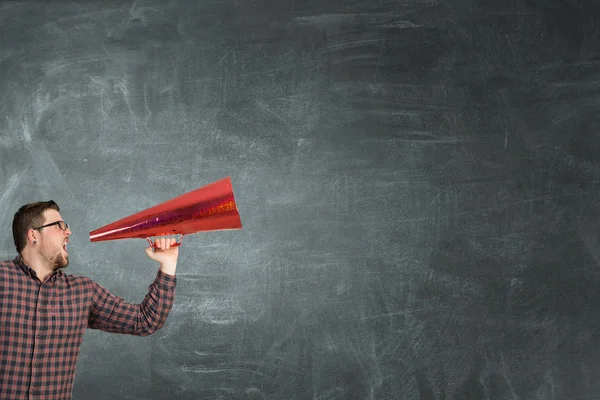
32	235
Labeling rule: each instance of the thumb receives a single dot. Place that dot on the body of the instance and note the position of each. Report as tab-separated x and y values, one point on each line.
149	251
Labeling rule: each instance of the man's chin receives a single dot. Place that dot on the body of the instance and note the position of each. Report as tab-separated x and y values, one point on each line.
64	263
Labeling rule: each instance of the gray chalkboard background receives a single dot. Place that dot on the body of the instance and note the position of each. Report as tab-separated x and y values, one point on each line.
418	183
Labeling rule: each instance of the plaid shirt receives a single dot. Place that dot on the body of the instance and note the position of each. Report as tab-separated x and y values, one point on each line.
42	326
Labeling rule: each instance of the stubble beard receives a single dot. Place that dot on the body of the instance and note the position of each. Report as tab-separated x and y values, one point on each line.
58	261
61	261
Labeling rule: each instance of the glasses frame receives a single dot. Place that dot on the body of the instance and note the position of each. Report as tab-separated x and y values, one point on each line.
59	223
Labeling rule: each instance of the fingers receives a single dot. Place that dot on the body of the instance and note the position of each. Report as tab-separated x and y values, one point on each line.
164	243
163	249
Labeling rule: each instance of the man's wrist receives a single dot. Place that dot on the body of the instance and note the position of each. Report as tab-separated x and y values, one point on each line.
168	268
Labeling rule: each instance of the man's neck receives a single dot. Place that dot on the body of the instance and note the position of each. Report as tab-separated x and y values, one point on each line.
33	261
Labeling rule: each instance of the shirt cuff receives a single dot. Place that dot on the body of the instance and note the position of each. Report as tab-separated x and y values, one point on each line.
165	281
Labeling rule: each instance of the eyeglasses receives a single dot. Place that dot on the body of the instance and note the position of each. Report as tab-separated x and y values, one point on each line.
61	224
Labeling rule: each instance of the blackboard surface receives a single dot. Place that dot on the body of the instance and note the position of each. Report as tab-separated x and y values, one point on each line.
418	183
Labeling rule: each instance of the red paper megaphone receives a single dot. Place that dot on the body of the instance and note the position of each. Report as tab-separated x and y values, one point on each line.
211	207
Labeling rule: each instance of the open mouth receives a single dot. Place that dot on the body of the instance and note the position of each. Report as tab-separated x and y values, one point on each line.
65	247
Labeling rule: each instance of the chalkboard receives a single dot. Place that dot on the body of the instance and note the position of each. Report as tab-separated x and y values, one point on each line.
418	185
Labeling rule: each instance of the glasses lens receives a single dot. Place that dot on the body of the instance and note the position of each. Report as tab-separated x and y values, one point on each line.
63	225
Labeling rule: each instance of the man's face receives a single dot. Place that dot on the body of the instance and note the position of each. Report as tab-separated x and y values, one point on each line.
53	241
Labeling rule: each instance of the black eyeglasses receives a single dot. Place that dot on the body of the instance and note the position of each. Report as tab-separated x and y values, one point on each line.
61	224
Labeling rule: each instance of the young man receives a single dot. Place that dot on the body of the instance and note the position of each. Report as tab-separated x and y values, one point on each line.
44	312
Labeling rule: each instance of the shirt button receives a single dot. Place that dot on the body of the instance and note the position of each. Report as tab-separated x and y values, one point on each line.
35	364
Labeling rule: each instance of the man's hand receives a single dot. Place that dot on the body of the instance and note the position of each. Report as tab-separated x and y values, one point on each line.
163	253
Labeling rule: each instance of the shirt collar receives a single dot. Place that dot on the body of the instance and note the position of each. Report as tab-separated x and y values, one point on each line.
30	272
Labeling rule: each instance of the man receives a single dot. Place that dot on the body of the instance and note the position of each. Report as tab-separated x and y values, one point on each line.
44	312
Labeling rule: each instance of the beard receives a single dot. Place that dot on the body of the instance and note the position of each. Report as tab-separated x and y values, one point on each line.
58	260
61	261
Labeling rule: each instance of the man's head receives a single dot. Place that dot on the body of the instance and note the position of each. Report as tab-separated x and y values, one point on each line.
39	227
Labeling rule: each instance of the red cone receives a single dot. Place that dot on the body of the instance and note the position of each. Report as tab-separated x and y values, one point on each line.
211	207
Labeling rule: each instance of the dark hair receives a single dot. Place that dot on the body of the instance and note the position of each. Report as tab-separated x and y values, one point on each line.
29	216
